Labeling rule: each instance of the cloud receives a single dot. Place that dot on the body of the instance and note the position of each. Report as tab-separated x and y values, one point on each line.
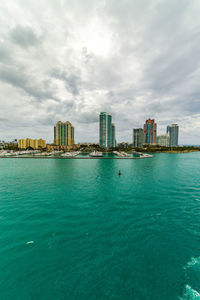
70	78
4	53
87	117
39	90
24	36
69	60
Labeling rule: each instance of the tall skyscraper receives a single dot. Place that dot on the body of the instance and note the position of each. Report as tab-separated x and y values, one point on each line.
138	137
150	132
106	131
173	131
163	140
113	136
64	134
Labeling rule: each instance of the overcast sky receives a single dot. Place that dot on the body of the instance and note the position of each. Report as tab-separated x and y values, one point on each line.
70	59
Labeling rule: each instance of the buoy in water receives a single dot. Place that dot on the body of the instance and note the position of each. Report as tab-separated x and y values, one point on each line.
119	173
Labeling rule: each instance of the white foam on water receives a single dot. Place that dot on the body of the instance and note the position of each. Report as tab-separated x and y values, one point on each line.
193	261
30	242
190	294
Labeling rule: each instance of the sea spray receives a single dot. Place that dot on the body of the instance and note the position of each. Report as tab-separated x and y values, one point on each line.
190	294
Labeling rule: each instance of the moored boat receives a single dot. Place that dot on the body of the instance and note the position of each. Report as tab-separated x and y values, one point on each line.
96	154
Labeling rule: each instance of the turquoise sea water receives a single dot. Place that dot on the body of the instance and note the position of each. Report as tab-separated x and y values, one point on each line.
74	229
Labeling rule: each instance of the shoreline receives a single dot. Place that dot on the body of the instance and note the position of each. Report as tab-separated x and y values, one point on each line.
185	151
89	157
46	157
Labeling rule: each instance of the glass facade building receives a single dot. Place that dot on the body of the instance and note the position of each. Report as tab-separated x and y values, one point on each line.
113	136
63	134
150	132
106	131
173	131
138	137
163	140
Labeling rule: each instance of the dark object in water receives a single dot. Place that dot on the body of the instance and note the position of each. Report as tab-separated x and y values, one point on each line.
119	173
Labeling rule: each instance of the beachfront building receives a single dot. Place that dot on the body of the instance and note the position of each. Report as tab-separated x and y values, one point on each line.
163	140
106	131
150	132
63	134
138	137
31	143
173	131
113	136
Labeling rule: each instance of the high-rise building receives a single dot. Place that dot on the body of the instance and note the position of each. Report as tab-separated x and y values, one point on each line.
29	143
63	134
106	131
173	131
113	136
150	132
163	140
138	137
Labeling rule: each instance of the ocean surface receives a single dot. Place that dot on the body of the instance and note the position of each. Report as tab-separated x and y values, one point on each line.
74	229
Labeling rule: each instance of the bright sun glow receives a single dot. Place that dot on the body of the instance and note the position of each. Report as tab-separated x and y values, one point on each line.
97	39
99	45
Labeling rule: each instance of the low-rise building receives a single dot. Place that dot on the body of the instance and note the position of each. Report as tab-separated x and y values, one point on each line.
31	143
123	145
51	147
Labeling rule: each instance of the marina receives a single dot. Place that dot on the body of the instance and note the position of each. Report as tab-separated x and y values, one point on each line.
96	154
73	155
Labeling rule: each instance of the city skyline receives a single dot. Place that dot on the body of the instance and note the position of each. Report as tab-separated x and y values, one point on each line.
65	60
64	134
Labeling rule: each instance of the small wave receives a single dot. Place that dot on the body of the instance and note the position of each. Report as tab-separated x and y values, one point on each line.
193	261
30	242
190	294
